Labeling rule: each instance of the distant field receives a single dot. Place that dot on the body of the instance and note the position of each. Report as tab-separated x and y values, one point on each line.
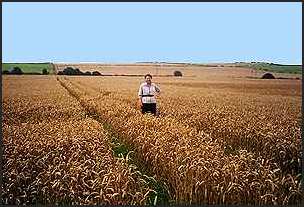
277	68
28	67
203	72
160	69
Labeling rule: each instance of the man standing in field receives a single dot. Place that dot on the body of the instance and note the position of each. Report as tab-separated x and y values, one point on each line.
146	95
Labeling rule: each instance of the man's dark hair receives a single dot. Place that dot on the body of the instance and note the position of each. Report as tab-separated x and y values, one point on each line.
148	75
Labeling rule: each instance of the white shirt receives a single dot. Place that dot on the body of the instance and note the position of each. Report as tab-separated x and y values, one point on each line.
151	90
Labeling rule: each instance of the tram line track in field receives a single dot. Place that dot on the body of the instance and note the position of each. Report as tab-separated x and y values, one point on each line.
121	150
229	149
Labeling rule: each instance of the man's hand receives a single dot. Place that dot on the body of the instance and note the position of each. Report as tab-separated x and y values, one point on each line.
139	103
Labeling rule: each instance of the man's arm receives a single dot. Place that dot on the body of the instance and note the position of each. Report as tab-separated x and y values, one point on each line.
140	95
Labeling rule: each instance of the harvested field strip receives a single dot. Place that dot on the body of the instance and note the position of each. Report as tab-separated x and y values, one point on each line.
195	166
66	160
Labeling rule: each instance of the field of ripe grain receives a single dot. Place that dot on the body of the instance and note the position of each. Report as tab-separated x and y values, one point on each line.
220	138
254	120
54	153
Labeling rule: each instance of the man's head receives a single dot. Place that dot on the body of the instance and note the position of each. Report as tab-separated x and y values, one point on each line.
148	78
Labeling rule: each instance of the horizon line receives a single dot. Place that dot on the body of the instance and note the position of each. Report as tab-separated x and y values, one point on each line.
144	62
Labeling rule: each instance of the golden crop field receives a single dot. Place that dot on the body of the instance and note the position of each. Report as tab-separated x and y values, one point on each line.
55	154
220	138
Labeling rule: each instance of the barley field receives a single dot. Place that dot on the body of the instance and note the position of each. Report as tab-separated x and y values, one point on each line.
222	136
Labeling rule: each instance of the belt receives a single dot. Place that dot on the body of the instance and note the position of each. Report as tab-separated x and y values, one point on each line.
150	95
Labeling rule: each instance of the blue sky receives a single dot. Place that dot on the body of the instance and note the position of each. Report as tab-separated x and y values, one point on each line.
129	32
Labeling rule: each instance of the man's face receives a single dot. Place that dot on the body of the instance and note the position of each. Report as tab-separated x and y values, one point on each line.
148	79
